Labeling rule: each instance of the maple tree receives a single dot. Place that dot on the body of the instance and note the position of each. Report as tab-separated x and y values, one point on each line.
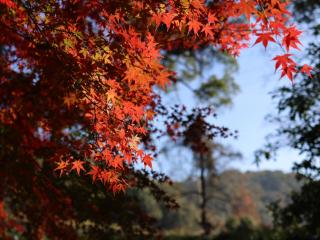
78	77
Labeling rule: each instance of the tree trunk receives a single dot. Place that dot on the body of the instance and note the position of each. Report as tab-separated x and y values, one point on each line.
206	226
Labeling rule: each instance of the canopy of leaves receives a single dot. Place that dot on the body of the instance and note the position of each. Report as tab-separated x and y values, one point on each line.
91	66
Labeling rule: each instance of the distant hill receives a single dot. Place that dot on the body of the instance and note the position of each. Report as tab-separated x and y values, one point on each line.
270	186
234	195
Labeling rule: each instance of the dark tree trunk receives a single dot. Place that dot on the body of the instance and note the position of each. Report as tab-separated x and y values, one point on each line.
206	226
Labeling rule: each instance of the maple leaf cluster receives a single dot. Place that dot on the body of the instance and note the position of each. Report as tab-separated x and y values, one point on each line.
78	76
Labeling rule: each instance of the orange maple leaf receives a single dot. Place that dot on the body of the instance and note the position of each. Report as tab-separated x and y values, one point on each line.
147	160
207	29
247	8
307	70
111	95
291	39
62	166
105	176
163	79
77	166
95	172
212	18
194	26
198	4
167	19
70	100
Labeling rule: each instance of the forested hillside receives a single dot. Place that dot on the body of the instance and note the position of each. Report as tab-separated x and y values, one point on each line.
235	196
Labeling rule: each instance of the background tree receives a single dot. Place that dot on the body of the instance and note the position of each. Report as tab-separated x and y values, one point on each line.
244	229
206	154
199	64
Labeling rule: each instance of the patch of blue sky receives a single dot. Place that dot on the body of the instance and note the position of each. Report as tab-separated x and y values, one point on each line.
257	79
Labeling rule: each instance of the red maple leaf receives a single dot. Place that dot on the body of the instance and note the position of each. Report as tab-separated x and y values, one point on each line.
157	18
8	3
291	39
283	60
265	38
288	71
288	66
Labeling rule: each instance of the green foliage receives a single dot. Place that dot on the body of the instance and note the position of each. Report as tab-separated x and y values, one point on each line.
229	200
235	229
216	89
300	219
306	11
243	229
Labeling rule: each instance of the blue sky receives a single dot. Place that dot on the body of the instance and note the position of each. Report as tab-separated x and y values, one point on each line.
257	79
